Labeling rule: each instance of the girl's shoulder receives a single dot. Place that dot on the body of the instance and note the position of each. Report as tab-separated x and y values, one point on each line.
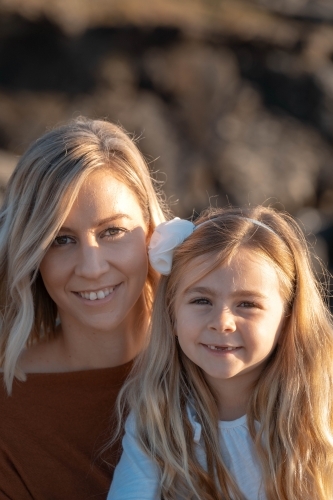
230	430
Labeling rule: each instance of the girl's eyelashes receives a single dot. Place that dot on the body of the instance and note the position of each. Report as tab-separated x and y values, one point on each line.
248	304
201	301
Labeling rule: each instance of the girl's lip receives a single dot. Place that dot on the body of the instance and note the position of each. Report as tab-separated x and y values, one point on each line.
221	348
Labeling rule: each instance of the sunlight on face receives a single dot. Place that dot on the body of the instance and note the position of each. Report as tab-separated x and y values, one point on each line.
228	322
97	265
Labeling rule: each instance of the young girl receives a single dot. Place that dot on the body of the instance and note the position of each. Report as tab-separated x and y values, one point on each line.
232	399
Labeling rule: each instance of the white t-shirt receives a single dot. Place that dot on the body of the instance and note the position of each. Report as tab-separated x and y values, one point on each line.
137	478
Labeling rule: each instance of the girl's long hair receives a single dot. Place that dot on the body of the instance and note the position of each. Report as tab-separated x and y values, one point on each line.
38	198
289	414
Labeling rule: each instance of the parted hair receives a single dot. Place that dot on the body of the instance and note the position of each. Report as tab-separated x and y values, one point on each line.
290	410
38	198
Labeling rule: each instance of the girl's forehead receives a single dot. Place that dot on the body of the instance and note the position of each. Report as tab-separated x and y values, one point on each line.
242	266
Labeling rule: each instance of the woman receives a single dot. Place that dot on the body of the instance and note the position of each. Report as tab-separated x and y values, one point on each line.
75	292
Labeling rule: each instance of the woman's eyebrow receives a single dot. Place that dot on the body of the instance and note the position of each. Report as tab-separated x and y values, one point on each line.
101	222
112	218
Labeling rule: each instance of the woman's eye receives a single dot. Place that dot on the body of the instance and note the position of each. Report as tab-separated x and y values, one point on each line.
114	231
62	240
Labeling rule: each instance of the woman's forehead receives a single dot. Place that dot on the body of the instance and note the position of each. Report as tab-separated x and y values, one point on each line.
102	196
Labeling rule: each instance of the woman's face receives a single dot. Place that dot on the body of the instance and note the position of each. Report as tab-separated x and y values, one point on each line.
96	268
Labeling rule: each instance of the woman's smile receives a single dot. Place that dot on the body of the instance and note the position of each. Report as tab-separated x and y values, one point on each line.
98	295
97	266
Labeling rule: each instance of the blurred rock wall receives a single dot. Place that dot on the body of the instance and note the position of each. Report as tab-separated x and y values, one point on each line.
231	101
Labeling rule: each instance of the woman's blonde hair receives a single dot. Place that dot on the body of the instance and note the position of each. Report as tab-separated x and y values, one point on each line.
38	198
292	399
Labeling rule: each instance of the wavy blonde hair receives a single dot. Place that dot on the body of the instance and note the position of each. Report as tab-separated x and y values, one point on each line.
38	198
291	400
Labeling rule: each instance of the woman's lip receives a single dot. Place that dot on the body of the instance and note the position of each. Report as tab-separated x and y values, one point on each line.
95	297
95	289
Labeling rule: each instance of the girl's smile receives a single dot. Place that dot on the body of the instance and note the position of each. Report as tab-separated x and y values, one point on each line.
221	349
234	386
229	321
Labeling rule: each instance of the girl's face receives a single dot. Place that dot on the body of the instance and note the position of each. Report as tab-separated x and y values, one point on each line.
228	323
97	265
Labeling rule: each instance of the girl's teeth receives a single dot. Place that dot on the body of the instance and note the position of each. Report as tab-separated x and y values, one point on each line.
100	295
216	348
93	296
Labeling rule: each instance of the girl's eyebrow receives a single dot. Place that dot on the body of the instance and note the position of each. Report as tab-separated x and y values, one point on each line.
102	221
249	293
199	289
237	293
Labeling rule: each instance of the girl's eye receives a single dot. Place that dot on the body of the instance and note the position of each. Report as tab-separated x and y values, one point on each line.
247	304
114	231
62	240
202	301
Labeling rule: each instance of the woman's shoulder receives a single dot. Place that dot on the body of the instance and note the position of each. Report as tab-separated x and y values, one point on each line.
47	358
40	357
44	377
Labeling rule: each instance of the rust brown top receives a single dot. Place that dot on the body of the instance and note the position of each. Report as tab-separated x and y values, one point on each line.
52	429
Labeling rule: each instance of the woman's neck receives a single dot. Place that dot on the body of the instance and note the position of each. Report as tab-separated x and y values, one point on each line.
75	348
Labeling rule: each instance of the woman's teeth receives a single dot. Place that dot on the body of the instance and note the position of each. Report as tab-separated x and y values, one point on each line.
100	294
217	348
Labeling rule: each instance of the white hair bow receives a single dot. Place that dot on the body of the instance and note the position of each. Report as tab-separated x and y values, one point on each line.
166	237
169	235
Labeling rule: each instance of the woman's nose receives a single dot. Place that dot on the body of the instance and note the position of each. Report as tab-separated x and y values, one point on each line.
222	320
91	261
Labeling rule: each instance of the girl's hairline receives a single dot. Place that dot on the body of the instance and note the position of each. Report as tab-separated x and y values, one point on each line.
254	221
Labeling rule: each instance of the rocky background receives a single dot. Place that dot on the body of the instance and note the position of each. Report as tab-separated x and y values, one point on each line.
230	101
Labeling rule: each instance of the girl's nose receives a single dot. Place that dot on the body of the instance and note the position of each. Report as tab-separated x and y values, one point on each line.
91	262
222	320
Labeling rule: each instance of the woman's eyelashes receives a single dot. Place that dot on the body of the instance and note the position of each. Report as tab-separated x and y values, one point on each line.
109	233
63	240
113	232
